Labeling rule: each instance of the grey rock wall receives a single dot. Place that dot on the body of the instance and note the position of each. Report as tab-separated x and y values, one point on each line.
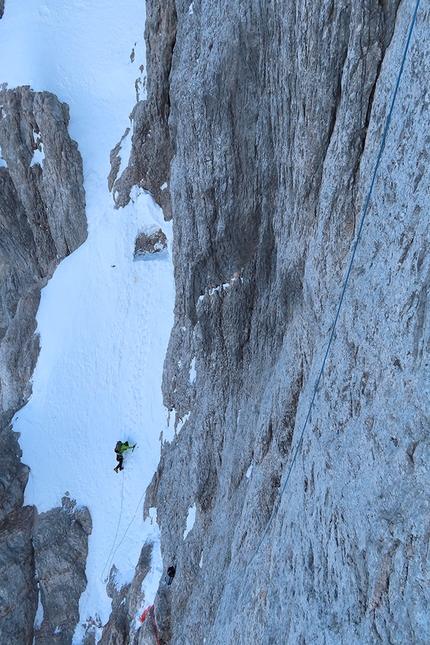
126	601
276	113
18	592
60	540
42	220
151	151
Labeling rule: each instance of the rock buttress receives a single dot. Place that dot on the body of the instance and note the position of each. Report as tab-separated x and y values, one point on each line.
42	220
276	115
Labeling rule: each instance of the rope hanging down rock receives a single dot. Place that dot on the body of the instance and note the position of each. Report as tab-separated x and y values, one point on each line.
150	611
366	208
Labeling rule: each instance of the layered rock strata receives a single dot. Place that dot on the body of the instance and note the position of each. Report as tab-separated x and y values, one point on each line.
42	220
276	113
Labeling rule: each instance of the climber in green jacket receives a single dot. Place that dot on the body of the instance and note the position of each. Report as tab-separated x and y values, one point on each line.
120	449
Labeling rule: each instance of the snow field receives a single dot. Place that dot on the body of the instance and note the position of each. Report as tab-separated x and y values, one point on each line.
104	319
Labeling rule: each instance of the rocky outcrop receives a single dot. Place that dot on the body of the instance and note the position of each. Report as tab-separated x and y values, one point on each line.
18	592
1	8
13	473
60	540
126	601
149	243
42	220
152	146
276	115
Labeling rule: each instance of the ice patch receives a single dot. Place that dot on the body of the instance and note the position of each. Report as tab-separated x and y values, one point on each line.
249	471
38	155
191	9
193	373
3	163
201	561
164	186
39	613
191	518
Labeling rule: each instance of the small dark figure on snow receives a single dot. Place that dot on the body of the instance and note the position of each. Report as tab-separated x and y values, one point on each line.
120	449
170	574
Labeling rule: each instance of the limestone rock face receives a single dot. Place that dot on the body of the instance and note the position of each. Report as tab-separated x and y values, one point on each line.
42	220
126	600
149	243
151	151
18	592
276	115
60	540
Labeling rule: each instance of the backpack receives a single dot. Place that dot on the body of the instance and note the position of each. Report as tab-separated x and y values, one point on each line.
118	446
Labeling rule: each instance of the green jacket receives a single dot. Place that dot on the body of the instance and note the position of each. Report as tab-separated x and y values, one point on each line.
125	447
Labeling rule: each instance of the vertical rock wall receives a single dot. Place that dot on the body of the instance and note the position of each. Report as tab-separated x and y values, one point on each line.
276	114
151	151
60	539
42	220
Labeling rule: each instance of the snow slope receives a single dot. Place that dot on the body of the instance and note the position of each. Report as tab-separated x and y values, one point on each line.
104	319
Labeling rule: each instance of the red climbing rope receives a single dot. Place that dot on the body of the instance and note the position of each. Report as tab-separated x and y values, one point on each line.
144	615
150	611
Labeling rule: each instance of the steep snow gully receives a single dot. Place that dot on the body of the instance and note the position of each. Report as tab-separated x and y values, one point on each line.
104	318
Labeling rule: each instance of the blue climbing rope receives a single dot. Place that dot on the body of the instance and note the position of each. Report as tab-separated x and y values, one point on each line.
129	524
315	391
114	548
112	552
